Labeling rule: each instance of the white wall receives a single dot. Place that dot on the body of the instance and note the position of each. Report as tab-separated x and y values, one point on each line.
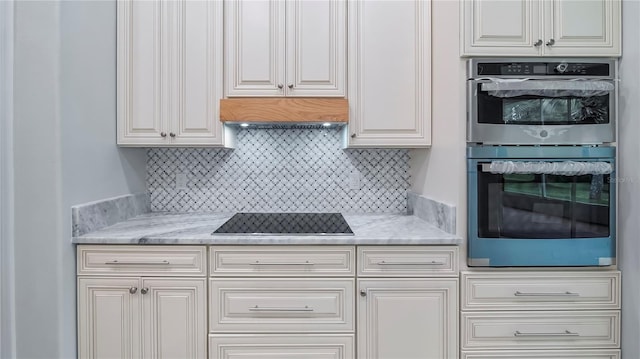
439	172
629	178
65	154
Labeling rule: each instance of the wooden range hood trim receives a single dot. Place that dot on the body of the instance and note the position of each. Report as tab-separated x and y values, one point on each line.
285	110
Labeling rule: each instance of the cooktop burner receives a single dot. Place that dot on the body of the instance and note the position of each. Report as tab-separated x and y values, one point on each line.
286	224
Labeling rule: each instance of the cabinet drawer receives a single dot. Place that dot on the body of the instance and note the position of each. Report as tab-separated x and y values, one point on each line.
543	354
142	260
540	330
376	261
277	305
282	261
281	346
541	290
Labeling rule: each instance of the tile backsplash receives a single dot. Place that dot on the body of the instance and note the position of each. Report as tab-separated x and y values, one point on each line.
280	170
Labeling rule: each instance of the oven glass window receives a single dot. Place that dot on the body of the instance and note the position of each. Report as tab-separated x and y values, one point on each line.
542	206
537	110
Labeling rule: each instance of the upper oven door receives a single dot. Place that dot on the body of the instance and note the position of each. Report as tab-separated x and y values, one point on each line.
541	111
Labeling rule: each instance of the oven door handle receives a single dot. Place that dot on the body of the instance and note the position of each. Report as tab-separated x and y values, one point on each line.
566	168
506	88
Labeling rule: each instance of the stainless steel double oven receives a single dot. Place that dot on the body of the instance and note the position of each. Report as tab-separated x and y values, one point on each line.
541	171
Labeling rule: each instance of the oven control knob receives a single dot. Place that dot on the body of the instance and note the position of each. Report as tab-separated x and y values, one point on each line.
544	133
562	67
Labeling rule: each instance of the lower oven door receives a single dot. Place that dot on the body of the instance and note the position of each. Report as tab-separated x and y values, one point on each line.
535	211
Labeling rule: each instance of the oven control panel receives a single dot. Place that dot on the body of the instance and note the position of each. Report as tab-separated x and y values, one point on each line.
559	68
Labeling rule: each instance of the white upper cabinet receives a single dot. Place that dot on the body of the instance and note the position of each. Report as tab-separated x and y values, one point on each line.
285	48
169	73
582	28
541	28
254	39
141	119
498	27
389	73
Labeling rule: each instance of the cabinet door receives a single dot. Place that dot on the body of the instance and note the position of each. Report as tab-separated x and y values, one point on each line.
141	118
109	318
198	71
408	318
254	46
498	27
174	317
582	27
389	73
316	53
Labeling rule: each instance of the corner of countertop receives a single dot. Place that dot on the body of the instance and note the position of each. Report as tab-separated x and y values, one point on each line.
438	214
93	216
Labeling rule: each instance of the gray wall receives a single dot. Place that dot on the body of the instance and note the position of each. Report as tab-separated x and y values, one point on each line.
65	154
7	284
629	179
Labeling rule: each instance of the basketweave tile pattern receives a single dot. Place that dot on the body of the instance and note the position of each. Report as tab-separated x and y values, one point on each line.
279	170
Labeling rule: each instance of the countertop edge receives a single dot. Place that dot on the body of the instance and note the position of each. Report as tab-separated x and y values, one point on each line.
261	241
197	228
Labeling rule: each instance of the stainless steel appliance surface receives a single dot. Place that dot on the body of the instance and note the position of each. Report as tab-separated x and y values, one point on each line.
541	101
285	224
541	206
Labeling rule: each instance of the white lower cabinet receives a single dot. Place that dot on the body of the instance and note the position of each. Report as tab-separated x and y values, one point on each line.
408	302
405	306
540	314
142	317
281	305
109	324
543	354
268	302
281	346
407	318
541	330
262	306
125	316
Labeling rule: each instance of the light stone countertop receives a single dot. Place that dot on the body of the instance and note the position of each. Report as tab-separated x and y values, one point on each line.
196	228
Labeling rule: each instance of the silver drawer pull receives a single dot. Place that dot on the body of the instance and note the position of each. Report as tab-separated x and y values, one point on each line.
559	294
280	309
566	333
305	263
117	262
432	263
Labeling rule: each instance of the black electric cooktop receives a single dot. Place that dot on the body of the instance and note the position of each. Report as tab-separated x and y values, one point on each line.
286	224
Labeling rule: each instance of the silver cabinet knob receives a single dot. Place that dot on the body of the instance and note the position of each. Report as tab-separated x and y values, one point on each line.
551	42
163	134
363	293
280	86
144	290
133	290
172	134
290	86
538	43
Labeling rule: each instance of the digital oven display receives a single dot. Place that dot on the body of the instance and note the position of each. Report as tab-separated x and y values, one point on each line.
539	69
